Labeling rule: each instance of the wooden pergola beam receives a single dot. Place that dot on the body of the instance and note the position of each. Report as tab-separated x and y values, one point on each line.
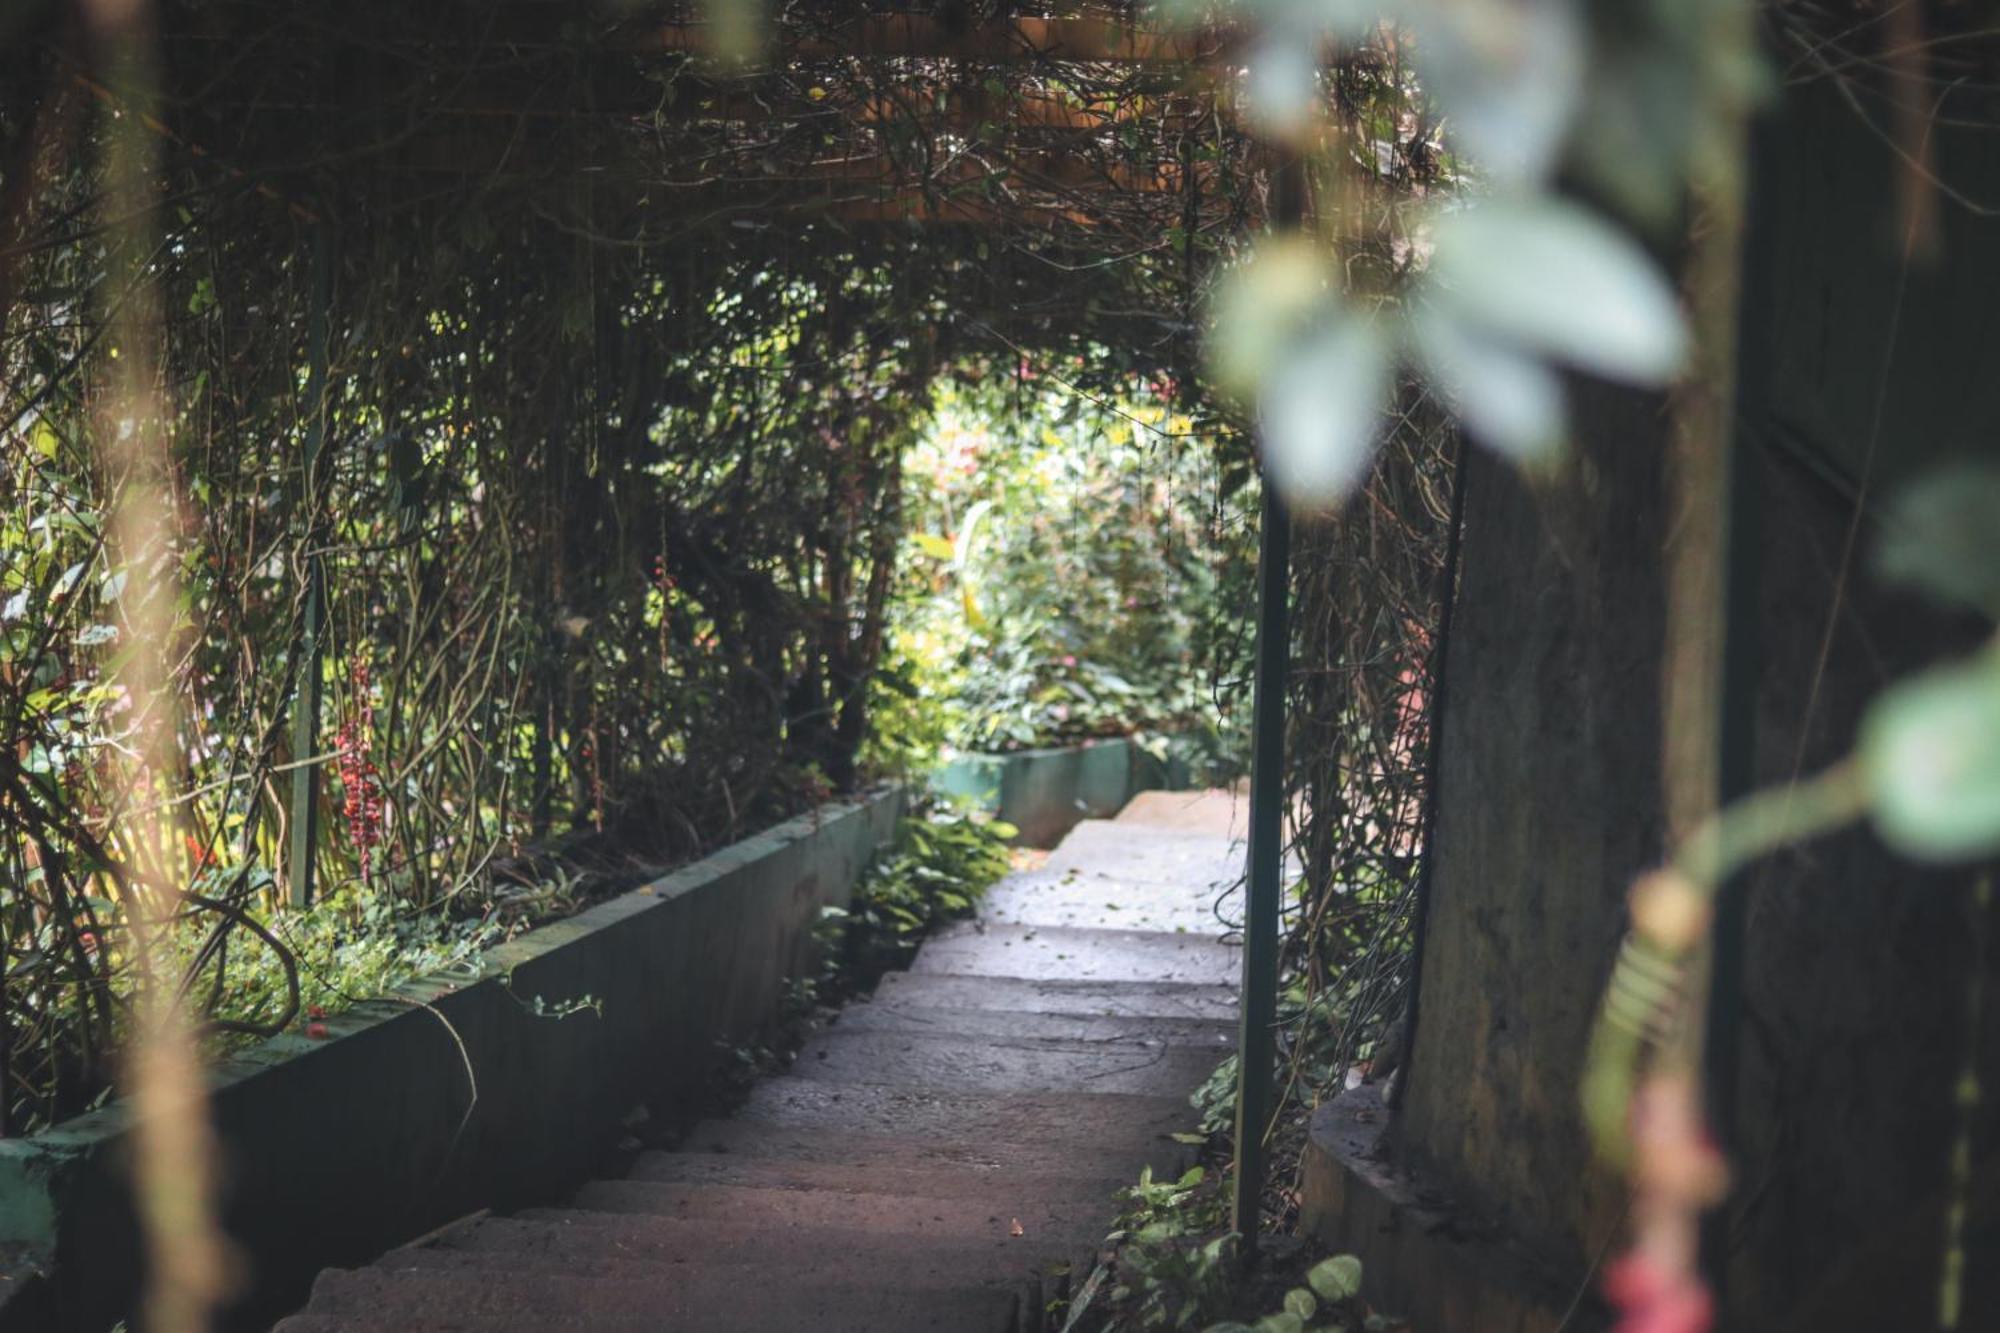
1018	172
917	207
920	36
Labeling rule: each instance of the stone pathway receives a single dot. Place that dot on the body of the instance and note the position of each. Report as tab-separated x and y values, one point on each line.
943	1157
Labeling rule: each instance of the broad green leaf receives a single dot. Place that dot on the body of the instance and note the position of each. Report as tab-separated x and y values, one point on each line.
1321	412
1508	75
1301	1302
1282	92
1287	1322
1261	309
1942	535
1930	753
1510	402
934	546
1557	278
1336	1279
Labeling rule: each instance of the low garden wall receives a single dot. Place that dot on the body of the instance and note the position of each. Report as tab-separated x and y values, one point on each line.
1046	793
455	1094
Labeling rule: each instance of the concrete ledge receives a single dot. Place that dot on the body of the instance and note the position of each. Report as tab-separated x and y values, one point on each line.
1421	1262
1046	793
339	1148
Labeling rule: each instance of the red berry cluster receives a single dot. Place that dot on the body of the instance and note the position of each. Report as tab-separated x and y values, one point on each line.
360	781
661	578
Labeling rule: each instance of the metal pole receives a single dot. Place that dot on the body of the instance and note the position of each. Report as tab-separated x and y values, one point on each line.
306	701
1256	1046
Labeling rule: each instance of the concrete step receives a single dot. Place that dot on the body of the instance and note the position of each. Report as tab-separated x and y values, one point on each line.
1220	813
1119	999
1192	861
1109	902
1003	1064
1062	1121
972	1160
1055	953
915	1177
1094	1030
1065	1223
584	1244
417	1300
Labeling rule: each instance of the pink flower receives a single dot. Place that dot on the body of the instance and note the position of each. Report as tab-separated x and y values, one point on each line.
317	1031
1068	660
1650	1299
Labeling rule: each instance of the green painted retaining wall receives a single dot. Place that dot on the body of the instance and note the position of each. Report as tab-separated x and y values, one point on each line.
341	1147
1046	793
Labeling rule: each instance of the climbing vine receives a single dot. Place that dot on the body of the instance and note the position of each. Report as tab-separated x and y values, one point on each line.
606	369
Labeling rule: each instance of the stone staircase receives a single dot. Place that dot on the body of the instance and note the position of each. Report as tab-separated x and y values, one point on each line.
945	1156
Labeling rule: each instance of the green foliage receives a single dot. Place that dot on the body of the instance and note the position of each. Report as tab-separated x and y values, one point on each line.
943	862
1076	567
1176	1269
1215	1099
1938	537
1484	294
1329	1302
1929	748
1173	1267
1930	753
341	951
1336	1279
610	499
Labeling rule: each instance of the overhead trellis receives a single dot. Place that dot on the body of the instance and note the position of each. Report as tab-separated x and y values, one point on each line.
606	347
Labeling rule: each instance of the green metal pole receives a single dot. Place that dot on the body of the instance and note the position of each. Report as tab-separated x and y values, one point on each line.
1256	1046
306	702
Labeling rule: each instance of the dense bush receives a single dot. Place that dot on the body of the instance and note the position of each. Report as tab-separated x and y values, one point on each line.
1077	566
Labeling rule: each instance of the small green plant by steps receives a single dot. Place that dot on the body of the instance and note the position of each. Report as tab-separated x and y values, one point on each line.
1175	1269
1328	1301
944	859
1173	1264
942	862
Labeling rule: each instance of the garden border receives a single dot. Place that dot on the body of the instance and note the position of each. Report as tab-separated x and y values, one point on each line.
340	1147
1047	792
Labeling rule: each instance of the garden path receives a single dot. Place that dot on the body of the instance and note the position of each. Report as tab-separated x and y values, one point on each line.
945	1156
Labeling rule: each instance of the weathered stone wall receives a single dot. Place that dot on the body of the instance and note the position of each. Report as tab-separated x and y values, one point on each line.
1549	803
1850	1031
1851	1024
1850	1027
456	1094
